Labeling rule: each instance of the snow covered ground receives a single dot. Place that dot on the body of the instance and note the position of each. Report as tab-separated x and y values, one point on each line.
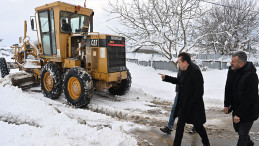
29	118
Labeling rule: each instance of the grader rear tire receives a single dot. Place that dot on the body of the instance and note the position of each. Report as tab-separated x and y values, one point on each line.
3	68
123	87
51	81
78	87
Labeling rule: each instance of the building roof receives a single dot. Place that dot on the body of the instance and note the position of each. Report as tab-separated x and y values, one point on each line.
146	50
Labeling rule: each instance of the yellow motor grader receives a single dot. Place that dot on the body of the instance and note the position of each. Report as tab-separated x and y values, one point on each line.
69	55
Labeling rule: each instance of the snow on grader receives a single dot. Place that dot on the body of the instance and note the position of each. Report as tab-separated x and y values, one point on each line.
68	56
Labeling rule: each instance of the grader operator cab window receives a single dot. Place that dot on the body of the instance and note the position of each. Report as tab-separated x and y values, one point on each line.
76	22
47	29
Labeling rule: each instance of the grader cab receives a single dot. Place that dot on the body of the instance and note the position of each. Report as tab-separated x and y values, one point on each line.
70	57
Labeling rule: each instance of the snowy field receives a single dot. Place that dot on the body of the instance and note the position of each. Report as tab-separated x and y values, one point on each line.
29	118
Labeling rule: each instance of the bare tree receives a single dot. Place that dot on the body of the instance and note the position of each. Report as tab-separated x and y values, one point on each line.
163	24
230	26
1	40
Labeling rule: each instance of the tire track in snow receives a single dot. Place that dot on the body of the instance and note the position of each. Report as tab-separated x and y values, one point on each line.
17	119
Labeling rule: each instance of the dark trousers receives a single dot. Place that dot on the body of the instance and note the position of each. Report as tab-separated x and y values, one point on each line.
180	129
243	128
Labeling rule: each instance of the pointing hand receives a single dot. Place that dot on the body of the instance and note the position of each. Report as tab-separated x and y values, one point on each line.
162	76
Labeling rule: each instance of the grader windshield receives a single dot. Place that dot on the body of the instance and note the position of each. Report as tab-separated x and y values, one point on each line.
74	21
48	32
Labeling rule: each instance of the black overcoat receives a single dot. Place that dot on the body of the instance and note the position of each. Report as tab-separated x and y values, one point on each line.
241	92
190	105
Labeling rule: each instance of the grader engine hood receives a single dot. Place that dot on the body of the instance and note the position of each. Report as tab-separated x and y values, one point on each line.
116	55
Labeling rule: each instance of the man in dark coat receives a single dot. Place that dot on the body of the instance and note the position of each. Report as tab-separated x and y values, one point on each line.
190	106
167	129
241	96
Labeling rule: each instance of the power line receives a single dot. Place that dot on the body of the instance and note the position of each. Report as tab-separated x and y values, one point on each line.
224	5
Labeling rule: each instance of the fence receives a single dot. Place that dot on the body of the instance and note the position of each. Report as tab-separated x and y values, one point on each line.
205	61
165	65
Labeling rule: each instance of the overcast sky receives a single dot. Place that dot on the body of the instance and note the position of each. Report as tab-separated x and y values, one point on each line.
14	12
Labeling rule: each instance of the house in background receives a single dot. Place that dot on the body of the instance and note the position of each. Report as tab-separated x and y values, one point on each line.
146	50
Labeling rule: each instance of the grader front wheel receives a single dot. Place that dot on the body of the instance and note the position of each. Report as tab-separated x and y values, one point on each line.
78	87
3	68
51	81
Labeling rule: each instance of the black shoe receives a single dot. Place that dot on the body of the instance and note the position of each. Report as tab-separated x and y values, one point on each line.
206	144
192	131
166	130
250	143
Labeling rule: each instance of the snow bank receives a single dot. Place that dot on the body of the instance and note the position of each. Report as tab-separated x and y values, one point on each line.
31	119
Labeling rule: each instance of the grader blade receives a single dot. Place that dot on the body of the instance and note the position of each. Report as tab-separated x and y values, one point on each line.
24	80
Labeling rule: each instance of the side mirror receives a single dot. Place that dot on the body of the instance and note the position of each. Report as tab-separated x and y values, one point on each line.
32	23
20	40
